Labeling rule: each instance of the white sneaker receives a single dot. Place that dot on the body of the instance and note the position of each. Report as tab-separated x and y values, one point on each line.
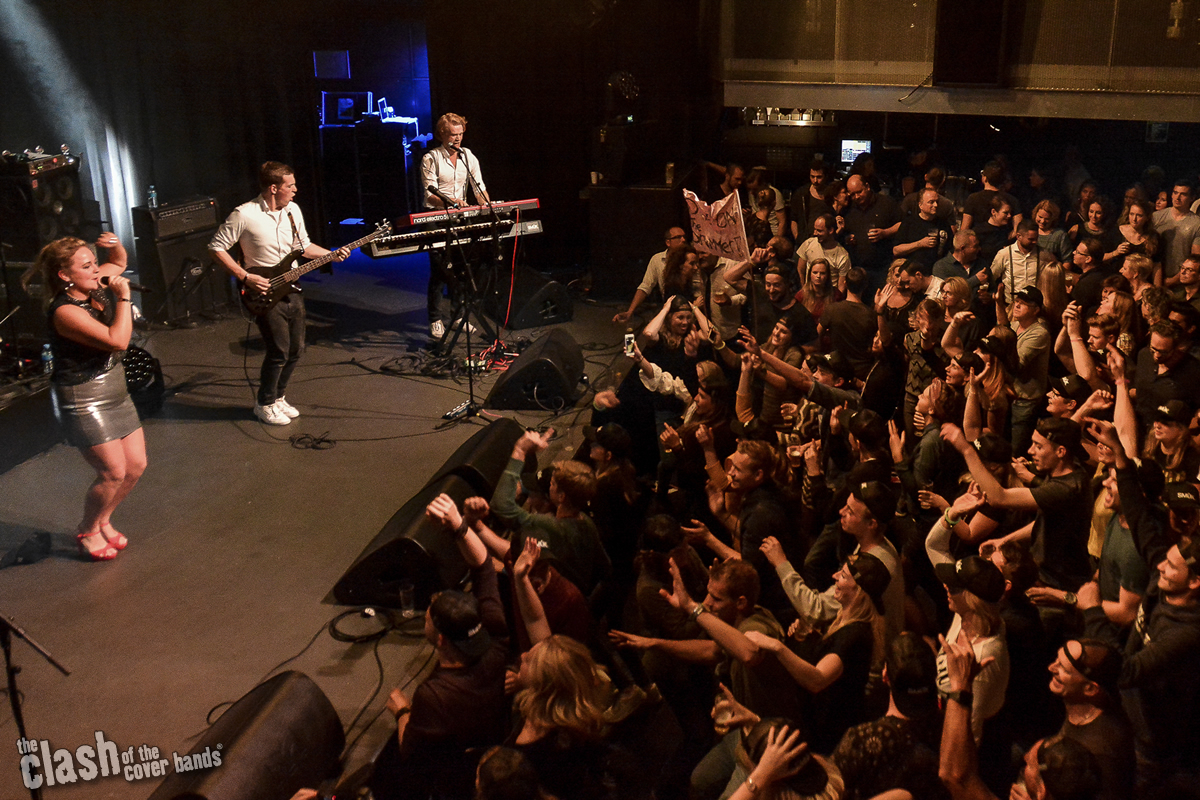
470	328
437	329
271	415
289	410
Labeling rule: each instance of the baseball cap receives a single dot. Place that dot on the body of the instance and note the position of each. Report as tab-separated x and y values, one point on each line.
871	575
1175	411
455	615
1098	661
1030	294
976	575
833	362
1181	496
993	449
1071	387
879	499
1064	433
612	437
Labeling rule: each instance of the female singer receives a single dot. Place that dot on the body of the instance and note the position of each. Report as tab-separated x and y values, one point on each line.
90	326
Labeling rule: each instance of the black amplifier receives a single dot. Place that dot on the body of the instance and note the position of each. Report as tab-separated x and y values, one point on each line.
175	219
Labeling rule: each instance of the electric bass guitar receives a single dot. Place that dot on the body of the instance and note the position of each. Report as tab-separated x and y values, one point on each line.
283	275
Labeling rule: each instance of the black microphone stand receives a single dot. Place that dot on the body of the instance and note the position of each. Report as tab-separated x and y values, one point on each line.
8	627
469	408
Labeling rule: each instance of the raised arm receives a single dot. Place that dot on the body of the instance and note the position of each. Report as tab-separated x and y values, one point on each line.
814	678
1123	416
959	768
736	271
997	495
730	639
533	614
650	332
952	336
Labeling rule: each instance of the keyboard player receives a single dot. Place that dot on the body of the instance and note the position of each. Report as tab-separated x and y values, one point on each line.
453	171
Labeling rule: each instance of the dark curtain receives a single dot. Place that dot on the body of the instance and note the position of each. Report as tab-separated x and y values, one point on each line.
188	96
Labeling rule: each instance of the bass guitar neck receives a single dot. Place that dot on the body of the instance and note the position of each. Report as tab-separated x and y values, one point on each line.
284	275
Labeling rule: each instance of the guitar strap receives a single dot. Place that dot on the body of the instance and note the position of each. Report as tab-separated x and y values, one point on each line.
297	244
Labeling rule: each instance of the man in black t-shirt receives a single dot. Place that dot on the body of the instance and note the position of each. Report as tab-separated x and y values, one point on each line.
461	704
851	324
978	205
1089	259
871	223
1165	371
924	237
1059	533
995	234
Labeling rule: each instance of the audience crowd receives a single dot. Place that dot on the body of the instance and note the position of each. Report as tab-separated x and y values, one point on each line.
903	506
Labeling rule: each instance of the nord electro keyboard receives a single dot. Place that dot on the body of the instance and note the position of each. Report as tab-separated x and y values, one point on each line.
503	210
417	241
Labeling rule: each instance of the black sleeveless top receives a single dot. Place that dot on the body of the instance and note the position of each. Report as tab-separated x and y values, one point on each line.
76	363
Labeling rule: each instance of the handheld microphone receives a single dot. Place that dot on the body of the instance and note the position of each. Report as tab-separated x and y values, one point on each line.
439	194
137	287
454	147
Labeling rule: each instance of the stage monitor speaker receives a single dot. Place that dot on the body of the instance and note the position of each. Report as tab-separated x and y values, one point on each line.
536	301
545	377
281	736
481	459
970	43
410	547
40	203
29	426
182	277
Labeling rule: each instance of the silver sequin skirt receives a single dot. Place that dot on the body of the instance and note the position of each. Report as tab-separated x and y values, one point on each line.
96	411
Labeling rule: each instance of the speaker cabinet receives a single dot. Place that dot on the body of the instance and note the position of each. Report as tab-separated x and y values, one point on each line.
26	304
545	377
410	547
41	201
971	43
536	301
182	277
281	736
480	459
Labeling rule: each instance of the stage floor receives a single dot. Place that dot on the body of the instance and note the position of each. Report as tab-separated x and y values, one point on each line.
237	535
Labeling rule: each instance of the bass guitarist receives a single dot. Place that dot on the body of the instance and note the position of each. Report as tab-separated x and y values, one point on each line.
269	228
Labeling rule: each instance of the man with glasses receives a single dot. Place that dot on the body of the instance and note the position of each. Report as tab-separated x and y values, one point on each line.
1088	258
1187	285
653	279
1165	371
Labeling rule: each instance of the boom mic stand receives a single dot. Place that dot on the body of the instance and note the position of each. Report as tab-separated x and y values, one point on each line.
8	627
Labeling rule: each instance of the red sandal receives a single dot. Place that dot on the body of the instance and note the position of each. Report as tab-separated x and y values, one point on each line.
118	541
106	553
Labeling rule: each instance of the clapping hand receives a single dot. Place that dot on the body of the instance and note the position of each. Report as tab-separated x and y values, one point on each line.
527	560
443	509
